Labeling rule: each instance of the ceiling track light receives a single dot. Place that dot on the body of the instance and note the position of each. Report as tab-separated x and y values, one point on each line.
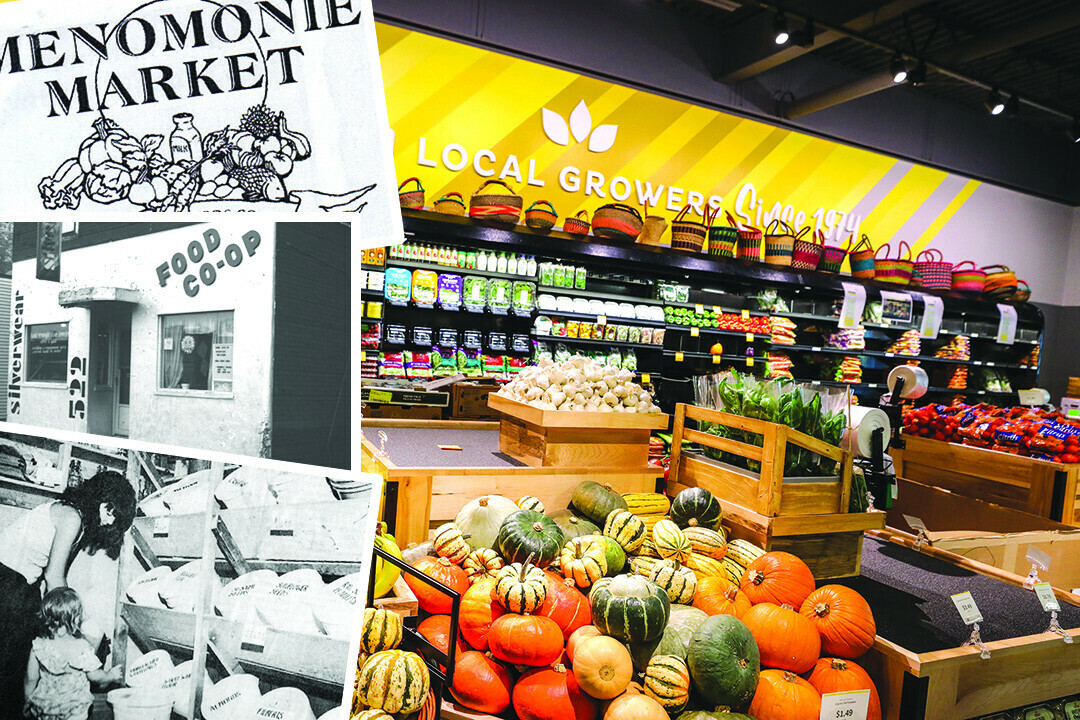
1074	133
780	28
805	37
898	68
917	76
994	103
1012	108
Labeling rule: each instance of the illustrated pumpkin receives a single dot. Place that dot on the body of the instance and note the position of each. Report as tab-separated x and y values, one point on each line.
478	610
583	561
720	596
528	536
380	630
602	667
552	694
629	608
777	577
670	541
449	543
625	528
393	680
679	582
724	662
481	518
843	618
836	675
783	695
481	683
532	640
436	630
696	507
430	598
667	680
786	640
596	501
573	526
521	587
579	636
565	605
634	706
481	563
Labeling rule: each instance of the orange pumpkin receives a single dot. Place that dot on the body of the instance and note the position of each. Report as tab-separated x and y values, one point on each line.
478	610
436	630
481	683
532	640
777	577
430	598
782	695
603	668
552	694
565	605
633	706
786	640
843	618
836	675
577	637
720	596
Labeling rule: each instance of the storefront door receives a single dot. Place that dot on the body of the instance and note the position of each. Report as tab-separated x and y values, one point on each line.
110	369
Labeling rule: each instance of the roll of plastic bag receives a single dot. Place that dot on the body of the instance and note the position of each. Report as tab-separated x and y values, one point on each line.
864	421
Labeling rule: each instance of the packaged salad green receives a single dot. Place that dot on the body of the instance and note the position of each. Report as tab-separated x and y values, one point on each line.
524	297
397	285
425	286
499	295
629	360
475	291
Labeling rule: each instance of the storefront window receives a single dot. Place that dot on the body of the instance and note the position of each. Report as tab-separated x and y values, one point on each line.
197	351
47	352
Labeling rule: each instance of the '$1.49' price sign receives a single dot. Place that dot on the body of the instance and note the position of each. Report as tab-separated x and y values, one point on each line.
198	265
845	705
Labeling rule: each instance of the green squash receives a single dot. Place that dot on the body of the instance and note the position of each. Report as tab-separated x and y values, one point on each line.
573	526
683	620
642	653
696	507
629	608
613	553
713	715
724	661
596	501
529	536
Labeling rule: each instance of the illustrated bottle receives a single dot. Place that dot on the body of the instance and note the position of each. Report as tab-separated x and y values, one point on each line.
185	142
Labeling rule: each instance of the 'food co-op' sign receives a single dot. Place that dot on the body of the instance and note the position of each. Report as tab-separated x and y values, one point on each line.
463	115
201	260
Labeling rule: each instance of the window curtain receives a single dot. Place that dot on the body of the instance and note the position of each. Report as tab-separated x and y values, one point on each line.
218	325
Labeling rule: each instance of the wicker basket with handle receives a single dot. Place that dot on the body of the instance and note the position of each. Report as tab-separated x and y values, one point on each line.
451	204
806	254
616	221
577	225
411	199
1023	291
832	258
894	270
1000	282
541	215
861	256
931	271
968	280
779	244
748	246
652	229
722	240
689	234
499	207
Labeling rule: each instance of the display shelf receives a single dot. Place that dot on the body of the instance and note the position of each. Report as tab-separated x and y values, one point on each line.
591	341
711	306
817	349
372	294
717	331
417	265
611	319
725	358
593	295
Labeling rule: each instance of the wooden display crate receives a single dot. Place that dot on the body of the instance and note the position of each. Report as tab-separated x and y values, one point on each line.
401	600
1038	487
767	492
469	400
552	438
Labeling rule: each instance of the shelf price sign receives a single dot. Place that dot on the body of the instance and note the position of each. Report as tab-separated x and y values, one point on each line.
1006	332
933	309
854	302
845	705
965	605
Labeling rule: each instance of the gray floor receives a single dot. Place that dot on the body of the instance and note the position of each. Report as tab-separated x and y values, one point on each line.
418	447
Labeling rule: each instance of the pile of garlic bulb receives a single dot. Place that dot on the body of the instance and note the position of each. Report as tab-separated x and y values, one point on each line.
579	384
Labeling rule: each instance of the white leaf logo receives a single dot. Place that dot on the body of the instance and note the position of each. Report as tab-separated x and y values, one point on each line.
603	138
580	122
555	128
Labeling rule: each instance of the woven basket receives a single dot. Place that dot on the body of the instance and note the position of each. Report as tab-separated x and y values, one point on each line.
495	207
861	256
412	199
779	246
688	234
616	221
541	215
749	244
722	240
806	254
968	280
577	225
1000	284
1023	291
451	204
652	230
894	270
832	259
932	273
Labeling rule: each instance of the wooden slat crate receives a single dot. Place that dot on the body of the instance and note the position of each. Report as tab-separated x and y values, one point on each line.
401	600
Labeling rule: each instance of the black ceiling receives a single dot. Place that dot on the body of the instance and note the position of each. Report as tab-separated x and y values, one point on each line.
1040	64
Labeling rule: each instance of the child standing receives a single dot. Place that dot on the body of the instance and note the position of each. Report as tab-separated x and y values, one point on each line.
62	664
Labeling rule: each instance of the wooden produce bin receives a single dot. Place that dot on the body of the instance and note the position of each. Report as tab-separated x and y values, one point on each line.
401	600
1038	487
550	438
428	481
469	400
955	683
808	518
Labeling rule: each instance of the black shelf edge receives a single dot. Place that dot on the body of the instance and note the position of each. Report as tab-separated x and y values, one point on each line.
710	306
593	295
591	341
452	270
611	319
717	331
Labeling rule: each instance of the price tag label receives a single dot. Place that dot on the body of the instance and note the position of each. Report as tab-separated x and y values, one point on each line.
253	637
745	314
749	362
678	357
363	356
815	382
645	378
1037	557
1046	596
915	523
989	364
694	332
699	309
380	396
161	527
1006	332
890	354
716	359
601	319
282	526
717	309
965	605
933	309
845	705
816	349
749	337
854	303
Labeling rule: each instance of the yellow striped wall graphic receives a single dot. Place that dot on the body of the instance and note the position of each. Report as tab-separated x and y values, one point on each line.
463	115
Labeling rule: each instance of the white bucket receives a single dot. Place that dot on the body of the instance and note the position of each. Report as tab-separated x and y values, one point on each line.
288	605
336	612
178	686
234	600
150	671
236	696
284	703
139	704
